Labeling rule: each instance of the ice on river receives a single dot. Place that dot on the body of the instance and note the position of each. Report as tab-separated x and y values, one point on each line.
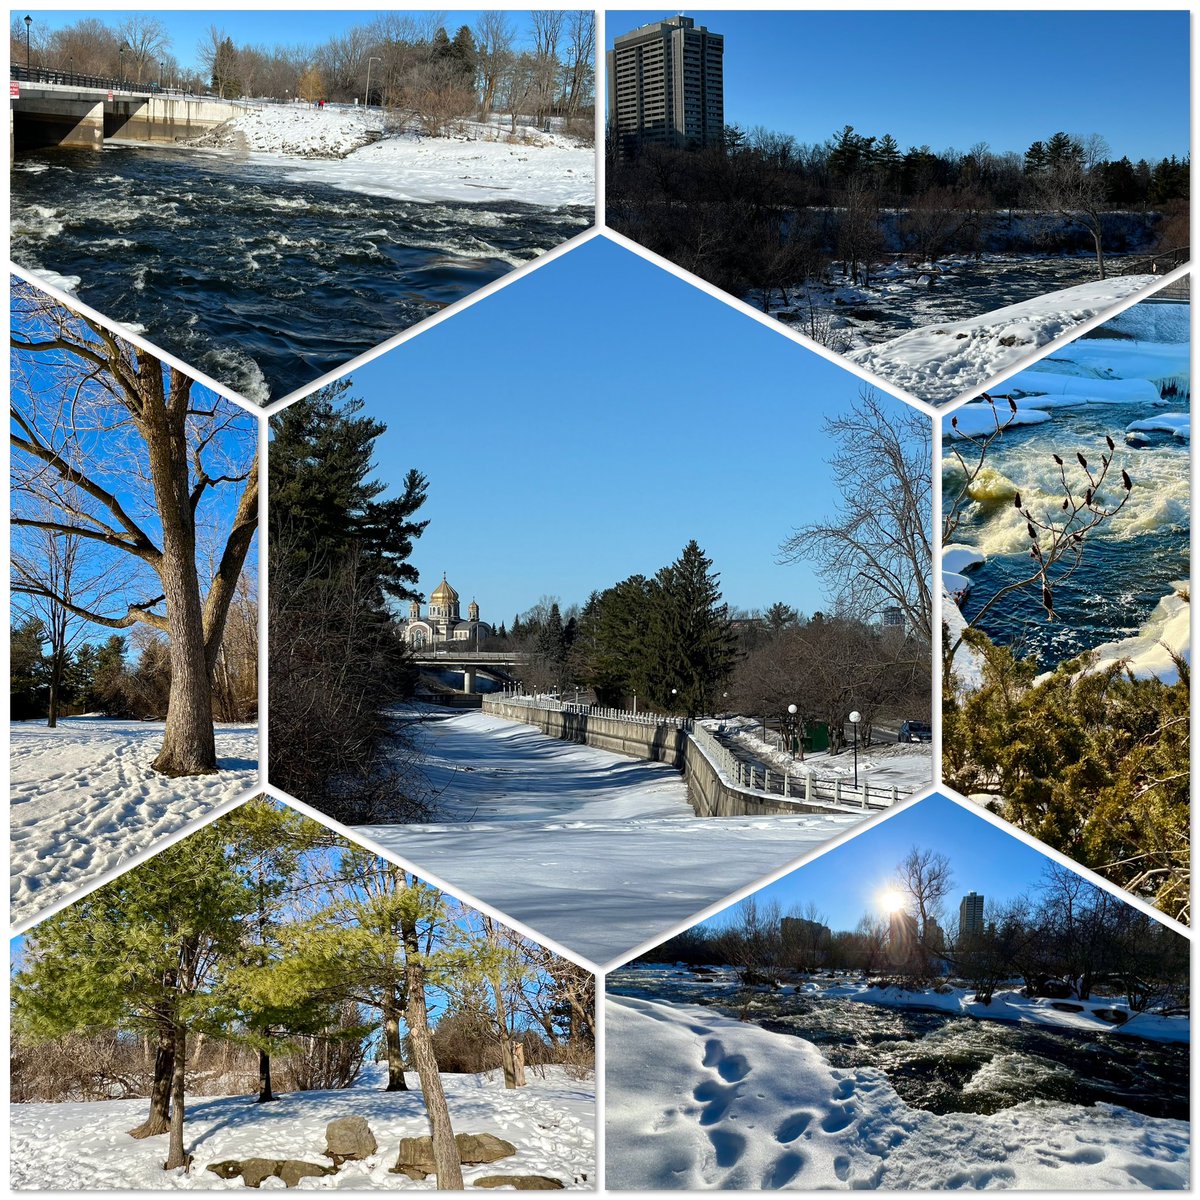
83	798
599	852
85	1147
940	362
698	1101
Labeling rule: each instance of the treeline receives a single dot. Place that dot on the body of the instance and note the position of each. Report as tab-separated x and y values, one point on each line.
666	639
414	63
764	214
1092	762
1067	938
264	933
126	675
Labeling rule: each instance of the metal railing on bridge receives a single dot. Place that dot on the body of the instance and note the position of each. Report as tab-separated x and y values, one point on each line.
103	83
748	777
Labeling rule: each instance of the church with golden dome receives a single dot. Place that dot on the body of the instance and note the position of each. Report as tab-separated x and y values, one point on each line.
444	622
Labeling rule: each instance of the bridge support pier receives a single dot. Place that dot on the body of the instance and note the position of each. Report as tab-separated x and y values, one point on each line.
54	122
468	681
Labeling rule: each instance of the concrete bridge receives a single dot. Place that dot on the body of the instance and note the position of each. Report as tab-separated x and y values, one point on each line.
87	114
470	662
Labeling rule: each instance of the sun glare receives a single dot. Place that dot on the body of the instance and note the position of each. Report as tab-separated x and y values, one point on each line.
891	900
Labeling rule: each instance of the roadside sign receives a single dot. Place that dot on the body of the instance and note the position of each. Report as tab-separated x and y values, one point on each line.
110	95
14	90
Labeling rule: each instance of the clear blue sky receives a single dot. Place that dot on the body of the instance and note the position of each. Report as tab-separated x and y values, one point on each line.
278	26
582	424
951	79
845	883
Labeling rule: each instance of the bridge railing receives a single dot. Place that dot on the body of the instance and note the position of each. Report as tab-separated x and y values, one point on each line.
744	775
104	83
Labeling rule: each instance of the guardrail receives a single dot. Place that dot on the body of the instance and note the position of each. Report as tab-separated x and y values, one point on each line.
745	776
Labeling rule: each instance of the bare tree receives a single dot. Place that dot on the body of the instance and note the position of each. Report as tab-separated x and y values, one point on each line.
581	54
146	40
1074	187
874	553
98	418
925	876
493	44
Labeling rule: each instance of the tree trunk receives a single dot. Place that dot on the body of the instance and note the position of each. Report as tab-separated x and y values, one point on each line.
56	674
189	747
1097	237
445	1152
395	1057
159	1119
176	1156
264	1077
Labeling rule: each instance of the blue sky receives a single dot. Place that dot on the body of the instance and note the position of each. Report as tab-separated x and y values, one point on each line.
260	26
585	422
955	78
845	883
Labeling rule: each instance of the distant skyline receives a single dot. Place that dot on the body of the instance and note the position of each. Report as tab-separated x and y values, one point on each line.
952	79
268	27
561	463
846	883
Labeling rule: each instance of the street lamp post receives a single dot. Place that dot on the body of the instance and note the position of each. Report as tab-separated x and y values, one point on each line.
793	730
855	717
28	22
121	52
161	66
367	96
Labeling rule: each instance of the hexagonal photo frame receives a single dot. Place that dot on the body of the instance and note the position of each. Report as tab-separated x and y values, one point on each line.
763	648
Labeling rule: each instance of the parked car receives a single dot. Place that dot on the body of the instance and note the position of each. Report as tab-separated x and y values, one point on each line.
915	731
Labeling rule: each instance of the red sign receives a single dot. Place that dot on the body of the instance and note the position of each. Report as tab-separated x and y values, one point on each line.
110	95
14	90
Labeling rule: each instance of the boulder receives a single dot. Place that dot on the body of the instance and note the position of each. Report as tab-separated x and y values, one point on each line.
416	1154
349	1138
254	1170
523	1183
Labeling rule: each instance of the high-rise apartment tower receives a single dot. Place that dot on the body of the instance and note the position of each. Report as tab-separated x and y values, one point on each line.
666	87
970	917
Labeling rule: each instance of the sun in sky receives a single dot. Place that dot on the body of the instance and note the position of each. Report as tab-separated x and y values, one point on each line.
891	900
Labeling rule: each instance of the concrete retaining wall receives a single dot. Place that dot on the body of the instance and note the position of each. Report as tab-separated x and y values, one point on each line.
163	118
709	794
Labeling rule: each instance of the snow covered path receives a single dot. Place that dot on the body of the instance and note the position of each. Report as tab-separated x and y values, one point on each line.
695	1100
943	361
83	798
596	851
81	1147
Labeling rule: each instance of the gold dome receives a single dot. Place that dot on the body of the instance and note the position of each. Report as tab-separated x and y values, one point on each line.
444	593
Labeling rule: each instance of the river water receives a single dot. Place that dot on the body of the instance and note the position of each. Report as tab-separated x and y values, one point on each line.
260	282
1129	563
939	1062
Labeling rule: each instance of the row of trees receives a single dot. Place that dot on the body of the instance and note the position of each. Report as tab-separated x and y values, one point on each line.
410	60
764	215
1064	936
134	505
264	931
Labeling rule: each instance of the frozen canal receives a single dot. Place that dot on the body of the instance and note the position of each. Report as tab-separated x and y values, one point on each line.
599	852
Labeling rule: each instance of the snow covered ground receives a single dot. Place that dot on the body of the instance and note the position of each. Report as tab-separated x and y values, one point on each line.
906	767
1145	654
82	1147
349	148
599	852
943	361
83	799
699	1101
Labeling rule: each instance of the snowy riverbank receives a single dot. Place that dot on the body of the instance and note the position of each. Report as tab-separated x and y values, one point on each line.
83	798
699	1101
597	851
82	1147
353	149
940	362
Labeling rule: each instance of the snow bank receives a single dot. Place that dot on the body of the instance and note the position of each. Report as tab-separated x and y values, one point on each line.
1056	389
83	798
350	148
1145	654
83	1147
978	420
597	851
698	1101
1177	424
968	662
940	362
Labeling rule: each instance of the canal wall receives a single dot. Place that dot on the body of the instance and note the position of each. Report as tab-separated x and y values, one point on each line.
711	791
